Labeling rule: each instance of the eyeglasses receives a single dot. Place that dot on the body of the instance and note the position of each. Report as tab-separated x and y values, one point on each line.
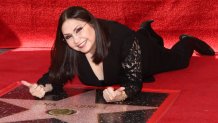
76	33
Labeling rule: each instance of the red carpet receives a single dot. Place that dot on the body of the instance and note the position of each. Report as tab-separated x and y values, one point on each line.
198	99
198	83
32	24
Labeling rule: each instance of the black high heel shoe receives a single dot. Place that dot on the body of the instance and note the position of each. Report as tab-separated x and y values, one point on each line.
152	34
200	46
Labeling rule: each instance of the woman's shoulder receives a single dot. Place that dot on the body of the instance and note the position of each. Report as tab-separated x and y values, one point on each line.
116	28
114	24
109	22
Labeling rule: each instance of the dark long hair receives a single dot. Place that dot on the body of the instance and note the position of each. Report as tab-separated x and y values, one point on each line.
64	60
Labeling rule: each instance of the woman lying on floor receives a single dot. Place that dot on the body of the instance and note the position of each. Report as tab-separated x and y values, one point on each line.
105	53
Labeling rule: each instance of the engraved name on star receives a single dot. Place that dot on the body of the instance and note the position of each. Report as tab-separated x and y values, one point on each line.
84	105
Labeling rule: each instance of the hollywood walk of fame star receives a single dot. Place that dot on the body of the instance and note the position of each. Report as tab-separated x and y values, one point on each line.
84	104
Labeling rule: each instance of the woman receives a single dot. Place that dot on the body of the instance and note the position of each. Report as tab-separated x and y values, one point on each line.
104	53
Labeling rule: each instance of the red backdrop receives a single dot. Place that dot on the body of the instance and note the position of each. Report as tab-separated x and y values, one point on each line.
32	23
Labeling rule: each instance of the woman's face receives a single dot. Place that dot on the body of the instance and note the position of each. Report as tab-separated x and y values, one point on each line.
79	35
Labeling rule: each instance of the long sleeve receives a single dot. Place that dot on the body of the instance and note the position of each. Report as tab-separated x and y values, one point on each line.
45	80
132	67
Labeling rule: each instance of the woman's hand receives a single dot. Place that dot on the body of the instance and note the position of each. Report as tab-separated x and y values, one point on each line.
111	95
37	90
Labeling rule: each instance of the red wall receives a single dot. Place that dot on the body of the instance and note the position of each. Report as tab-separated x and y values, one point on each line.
32	23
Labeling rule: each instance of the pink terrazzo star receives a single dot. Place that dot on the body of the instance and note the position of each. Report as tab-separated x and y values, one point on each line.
84	104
